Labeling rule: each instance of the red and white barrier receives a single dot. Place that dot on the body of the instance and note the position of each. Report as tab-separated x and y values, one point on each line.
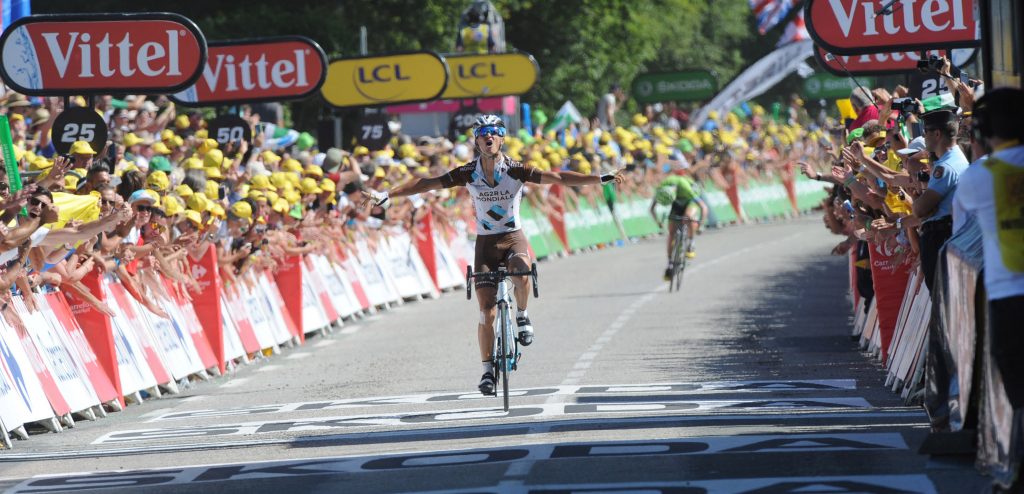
75	359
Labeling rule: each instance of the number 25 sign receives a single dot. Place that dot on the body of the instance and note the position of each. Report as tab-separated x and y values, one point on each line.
79	124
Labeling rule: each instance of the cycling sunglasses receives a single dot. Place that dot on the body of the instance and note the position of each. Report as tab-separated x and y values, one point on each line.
490	130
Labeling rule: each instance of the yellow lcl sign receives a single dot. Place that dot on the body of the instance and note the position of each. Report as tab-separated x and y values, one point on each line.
497	74
385	80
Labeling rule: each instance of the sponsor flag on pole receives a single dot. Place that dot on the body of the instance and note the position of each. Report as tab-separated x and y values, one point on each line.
567	114
12	10
795	31
770	13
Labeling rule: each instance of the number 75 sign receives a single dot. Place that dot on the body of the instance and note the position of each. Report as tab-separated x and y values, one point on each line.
79	124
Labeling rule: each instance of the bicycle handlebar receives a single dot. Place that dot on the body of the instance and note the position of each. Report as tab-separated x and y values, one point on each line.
497	276
500	274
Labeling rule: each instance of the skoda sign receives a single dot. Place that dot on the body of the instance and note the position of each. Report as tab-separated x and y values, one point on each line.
826	86
687	85
385	80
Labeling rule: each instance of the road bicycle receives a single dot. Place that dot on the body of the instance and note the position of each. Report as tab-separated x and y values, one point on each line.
678	264
505	355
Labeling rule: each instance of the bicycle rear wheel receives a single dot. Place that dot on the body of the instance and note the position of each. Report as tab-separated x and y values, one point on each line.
677	256
683	240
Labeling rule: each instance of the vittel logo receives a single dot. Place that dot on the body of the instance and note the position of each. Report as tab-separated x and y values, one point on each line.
908	16
259	74
61	54
106	58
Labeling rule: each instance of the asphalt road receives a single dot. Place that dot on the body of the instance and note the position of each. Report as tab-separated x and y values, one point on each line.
746	381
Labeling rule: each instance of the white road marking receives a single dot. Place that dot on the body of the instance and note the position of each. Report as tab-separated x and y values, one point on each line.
268	368
523	457
297	356
154	413
324	343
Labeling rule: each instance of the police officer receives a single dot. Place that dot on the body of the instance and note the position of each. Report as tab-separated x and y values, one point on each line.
935	205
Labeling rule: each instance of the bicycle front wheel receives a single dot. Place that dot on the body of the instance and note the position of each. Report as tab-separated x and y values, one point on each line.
503	354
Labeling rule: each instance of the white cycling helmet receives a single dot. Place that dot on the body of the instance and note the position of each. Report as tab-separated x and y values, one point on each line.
485	120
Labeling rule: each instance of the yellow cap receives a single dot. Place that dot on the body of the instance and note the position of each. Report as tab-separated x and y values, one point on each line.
198	202
202	134
166	134
176	141
291	165
207	145
241	209
172	205
181	122
309	186
158	180
70	182
379	173
130	139
193	164
161	148
280	205
214	158
261	182
270	157
328	185
218	211
314	171
278	180
360	151
195	218
213	173
271	196
212	187
81	147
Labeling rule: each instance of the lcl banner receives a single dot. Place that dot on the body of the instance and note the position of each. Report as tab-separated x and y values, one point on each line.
497	74
385	80
852	27
883	63
101	53
251	70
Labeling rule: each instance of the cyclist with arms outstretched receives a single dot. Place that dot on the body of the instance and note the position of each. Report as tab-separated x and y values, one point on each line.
684	197
495	183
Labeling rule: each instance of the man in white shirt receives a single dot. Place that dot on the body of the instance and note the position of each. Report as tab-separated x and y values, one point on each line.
989	191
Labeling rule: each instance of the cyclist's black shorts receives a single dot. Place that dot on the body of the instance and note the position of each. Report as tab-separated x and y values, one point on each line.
678	211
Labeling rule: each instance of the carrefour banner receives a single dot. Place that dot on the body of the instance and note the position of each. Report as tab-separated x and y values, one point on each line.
385	80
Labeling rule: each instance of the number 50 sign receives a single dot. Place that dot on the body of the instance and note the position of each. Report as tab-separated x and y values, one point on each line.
79	124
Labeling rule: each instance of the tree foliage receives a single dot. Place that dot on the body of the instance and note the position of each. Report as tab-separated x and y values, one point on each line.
582	46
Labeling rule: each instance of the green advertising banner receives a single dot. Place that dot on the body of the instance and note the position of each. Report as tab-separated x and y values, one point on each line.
828	86
687	85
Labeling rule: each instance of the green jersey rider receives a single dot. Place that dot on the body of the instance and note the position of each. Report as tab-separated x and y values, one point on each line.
683	194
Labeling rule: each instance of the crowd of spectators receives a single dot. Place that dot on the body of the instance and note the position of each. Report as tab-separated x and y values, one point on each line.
163	191
911	174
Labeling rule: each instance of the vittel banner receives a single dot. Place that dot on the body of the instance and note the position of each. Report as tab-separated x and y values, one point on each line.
265	69
99	53
852	27
884	63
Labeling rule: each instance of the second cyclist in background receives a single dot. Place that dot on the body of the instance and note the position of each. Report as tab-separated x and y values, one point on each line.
683	194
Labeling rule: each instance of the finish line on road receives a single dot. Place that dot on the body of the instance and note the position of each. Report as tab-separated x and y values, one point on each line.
668	388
